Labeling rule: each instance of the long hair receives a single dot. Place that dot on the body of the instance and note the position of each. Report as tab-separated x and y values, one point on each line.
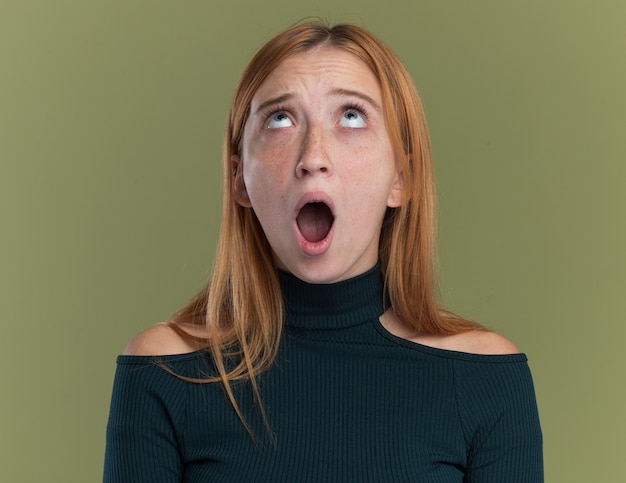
240	310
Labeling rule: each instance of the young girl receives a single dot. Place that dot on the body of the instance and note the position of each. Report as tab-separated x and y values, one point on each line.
317	352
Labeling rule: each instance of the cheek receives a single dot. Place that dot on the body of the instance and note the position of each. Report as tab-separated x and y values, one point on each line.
267	154
370	169
264	180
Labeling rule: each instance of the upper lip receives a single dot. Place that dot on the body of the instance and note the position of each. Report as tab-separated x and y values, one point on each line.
314	197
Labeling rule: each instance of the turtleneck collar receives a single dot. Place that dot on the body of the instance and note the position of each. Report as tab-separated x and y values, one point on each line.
332	306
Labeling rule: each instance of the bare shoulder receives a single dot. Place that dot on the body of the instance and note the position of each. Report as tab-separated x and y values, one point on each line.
158	340
482	342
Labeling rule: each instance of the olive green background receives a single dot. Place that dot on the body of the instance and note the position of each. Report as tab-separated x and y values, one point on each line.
111	119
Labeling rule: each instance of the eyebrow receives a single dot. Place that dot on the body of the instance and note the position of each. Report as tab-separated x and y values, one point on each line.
272	101
360	95
337	92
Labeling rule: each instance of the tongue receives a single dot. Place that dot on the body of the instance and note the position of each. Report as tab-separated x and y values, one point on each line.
314	221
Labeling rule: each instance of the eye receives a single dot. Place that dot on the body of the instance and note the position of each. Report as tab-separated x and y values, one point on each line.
278	120
352	118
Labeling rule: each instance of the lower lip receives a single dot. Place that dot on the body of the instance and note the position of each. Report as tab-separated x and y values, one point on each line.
314	249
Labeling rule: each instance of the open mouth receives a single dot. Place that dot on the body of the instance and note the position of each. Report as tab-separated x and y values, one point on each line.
315	221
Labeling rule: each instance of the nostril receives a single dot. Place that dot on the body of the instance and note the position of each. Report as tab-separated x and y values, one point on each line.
309	167
313	165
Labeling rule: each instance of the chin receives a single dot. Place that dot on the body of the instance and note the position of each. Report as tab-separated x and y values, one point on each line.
325	272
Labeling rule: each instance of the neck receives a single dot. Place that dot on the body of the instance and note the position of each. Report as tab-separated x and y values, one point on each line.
330	306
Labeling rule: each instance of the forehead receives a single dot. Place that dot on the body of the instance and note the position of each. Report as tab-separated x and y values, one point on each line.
322	67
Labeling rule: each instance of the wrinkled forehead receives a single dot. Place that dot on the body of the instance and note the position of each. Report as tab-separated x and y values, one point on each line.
325	67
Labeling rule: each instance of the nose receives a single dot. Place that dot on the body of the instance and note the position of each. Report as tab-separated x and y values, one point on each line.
314	155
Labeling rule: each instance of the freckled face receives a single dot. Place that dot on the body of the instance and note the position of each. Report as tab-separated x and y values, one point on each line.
317	165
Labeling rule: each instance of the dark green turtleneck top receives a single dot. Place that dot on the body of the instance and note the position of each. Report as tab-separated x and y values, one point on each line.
346	401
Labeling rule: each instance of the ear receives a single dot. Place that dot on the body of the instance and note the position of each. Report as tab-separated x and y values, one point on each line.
395	193
240	194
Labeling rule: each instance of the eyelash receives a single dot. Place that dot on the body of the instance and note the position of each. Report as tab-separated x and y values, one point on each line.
351	106
273	110
355	106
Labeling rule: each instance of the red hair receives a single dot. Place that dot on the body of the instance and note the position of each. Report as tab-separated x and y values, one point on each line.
241	309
